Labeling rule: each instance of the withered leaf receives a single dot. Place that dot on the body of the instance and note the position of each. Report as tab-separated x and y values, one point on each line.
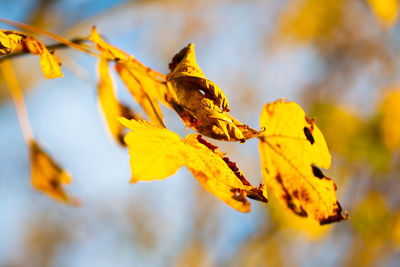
200	103
157	153
11	41
112	108
146	86
48	177
291	149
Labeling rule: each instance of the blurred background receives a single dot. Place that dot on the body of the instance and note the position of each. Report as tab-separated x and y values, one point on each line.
336	58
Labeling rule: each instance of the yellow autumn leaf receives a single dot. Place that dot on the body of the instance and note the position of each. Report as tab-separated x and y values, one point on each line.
111	107
157	153
218	175
200	103
390	123
387	11
49	63
9	41
146	86
107	50
48	177
291	149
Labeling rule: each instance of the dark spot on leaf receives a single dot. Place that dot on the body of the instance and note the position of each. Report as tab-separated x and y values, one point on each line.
278	145
257	194
239	195
317	172
289	200
338	216
309	135
207	144
54	183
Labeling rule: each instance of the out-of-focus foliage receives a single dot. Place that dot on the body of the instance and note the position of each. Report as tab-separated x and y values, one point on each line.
386	11
390	119
110	105
48	177
146	86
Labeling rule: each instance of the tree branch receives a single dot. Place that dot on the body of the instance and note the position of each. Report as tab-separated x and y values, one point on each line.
51	47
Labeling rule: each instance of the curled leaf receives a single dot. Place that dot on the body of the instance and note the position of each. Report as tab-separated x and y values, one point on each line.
112	108
9	41
184	70
291	149
157	153
200	103
48	177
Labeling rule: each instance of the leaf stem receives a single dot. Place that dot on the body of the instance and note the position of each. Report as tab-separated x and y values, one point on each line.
51	47
53	36
18	99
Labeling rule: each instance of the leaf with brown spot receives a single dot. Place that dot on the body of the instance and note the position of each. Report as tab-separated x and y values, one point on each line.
111	107
157	153
291	148
48	177
200	103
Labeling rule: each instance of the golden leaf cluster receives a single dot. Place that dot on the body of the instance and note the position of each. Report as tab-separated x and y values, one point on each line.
14	41
292	148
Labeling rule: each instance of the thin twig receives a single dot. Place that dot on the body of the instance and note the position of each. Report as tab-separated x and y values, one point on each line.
60	39
49	47
18	99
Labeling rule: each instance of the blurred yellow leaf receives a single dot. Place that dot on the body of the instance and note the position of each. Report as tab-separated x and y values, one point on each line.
200	103
291	148
17	41
308	20
385	10
157	153
112	108
146	86
372	219
48	177
107	50
390	123
145	89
